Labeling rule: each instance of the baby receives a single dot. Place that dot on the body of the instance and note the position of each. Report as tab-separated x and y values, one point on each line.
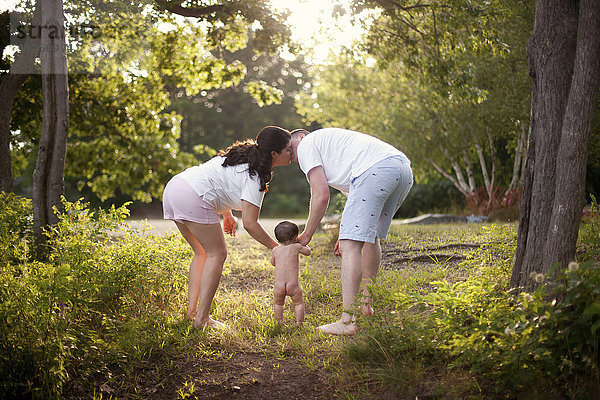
285	260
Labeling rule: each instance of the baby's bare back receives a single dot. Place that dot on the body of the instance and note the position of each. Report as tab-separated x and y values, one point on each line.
286	263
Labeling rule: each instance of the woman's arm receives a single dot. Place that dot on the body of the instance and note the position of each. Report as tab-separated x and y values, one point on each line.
250	214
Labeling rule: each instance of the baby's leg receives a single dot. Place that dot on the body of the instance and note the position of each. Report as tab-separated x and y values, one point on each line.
295	292
279	300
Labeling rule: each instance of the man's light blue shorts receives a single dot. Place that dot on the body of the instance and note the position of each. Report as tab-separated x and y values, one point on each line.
373	199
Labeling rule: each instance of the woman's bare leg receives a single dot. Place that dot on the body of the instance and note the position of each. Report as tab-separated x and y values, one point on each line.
205	280
195	273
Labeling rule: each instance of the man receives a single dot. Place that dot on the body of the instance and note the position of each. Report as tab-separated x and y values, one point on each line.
376	177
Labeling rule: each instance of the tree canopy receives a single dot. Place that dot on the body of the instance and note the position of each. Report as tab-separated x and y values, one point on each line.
444	81
130	60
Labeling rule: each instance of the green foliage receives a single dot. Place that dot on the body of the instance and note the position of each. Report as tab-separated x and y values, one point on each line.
124	138
432	84
97	304
520	345
589	234
16	228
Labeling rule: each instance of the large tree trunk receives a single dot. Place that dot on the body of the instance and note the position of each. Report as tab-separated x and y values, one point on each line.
564	63
569	197
48	176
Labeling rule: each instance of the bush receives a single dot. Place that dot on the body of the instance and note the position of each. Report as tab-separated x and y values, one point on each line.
440	196
520	345
589	235
97	304
16	227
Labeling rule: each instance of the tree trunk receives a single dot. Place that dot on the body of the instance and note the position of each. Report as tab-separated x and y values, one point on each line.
48	176
569	197
517	166
469	168
563	96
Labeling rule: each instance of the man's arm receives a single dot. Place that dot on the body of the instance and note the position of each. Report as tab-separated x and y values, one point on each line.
319	200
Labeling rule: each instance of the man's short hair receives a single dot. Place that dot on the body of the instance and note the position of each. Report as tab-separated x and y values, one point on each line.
296	132
286	231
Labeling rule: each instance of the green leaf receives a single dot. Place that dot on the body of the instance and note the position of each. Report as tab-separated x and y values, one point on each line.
593	309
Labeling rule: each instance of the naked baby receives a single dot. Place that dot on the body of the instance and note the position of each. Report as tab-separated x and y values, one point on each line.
285	260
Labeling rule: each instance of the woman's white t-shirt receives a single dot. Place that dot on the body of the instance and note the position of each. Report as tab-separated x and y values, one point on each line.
224	188
343	154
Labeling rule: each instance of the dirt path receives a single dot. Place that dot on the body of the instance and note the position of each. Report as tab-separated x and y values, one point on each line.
243	375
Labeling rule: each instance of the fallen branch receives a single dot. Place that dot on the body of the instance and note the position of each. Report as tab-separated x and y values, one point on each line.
441	247
436	258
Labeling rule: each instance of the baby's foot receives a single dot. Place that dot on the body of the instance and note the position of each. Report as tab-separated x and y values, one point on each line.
339	328
209	323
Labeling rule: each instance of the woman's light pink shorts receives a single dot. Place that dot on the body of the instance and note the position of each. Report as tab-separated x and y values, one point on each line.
182	203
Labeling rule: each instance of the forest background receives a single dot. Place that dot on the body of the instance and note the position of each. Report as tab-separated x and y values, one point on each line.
492	109
166	93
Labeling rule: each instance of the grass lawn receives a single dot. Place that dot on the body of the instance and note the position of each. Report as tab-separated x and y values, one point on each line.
257	358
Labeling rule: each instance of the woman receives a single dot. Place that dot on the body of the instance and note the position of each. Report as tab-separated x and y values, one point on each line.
235	179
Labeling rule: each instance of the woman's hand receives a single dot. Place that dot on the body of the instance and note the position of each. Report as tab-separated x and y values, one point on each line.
229	223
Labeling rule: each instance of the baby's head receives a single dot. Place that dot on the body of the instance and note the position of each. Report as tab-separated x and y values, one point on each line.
286	232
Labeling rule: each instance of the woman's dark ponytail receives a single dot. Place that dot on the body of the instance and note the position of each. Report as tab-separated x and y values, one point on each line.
257	153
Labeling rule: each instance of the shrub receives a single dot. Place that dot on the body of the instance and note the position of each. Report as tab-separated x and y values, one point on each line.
439	196
16	227
520	345
98	303
589	236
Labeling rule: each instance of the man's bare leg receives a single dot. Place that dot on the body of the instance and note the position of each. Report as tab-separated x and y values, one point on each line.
371	259
352	272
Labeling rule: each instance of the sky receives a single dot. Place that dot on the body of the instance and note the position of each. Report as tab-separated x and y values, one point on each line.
313	25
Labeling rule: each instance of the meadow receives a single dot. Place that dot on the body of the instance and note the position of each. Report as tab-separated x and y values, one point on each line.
103	317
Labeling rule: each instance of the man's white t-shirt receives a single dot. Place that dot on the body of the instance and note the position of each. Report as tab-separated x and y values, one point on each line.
224	188
343	154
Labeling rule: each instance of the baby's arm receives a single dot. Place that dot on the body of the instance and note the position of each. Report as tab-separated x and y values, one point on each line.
272	258
305	250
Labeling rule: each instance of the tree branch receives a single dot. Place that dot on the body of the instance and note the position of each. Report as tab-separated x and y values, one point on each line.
447	176
195	12
518	157
469	168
